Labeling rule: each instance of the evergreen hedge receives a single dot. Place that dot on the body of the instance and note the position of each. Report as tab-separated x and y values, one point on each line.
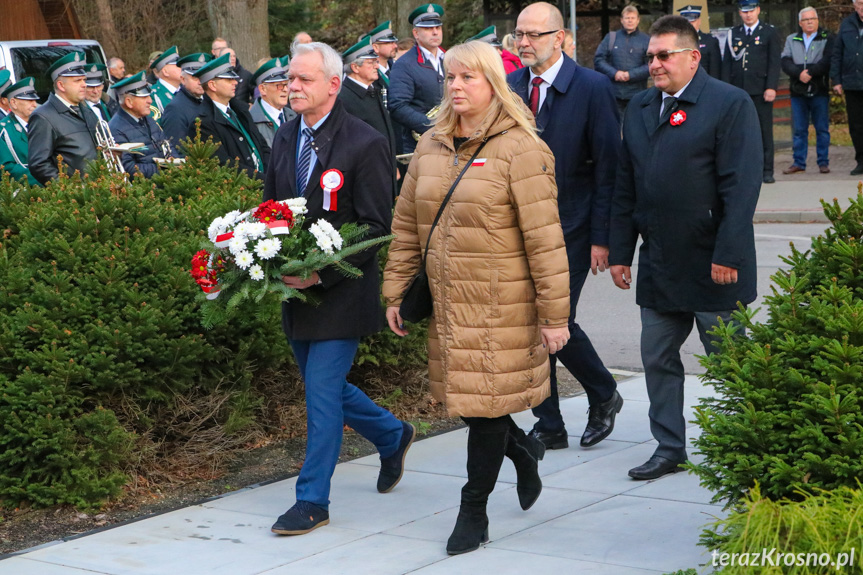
788	411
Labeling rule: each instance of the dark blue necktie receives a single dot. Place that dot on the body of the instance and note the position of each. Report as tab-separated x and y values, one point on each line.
303	162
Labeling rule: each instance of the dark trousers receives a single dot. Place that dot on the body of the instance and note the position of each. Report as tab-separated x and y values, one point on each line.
331	403
854	106
582	361
816	109
662	335
765	120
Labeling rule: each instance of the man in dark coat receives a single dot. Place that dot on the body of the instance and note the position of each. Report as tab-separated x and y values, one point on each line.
620	56
708	45
417	78
271	110
228	121
361	96
181	111
133	124
752	63
577	118
846	69
62	125
339	164
687	182
245	84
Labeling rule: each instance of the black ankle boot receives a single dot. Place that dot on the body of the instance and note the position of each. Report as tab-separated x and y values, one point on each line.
525	452
471	530
486	446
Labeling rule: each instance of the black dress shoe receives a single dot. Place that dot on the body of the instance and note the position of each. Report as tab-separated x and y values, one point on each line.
600	420
301	518
655	468
393	467
769	180
858	170
551	439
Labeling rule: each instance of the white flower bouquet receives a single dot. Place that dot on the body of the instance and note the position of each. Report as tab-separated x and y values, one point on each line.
249	252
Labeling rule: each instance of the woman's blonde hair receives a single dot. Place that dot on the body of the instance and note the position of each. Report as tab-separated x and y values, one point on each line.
483	58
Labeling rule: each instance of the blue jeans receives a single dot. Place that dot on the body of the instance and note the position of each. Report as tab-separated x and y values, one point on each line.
818	109
332	402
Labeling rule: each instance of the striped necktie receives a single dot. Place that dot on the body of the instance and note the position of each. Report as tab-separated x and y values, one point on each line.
303	162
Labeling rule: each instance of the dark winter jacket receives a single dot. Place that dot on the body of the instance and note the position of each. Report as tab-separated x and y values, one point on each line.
847	59
796	58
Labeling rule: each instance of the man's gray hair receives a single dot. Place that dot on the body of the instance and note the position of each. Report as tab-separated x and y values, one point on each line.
807	9
332	65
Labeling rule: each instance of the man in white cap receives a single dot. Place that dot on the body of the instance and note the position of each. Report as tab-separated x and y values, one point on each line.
62	126
229	122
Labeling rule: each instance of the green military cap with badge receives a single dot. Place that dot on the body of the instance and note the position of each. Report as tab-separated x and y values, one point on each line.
427	16
21	90
132	86
69	66
95	74
362	50
382	33
169	56
269	72
5	79
193	62
489	36
217	68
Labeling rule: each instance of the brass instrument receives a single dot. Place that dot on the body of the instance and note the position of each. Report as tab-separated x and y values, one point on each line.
155	113
431	115
107	146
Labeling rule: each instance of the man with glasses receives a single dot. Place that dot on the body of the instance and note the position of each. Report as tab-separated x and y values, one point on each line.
417	78
752	63
687	183
271	110
620	56
806	60
228	121
846	69
361	94
577	117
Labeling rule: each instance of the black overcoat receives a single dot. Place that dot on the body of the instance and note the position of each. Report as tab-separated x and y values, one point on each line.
233	145
690	191
54	130
349	308
179	115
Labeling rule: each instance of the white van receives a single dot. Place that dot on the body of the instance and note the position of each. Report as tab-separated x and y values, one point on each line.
34	57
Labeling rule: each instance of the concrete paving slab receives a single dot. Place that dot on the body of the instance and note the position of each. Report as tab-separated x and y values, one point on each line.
27	566
489	560
625	531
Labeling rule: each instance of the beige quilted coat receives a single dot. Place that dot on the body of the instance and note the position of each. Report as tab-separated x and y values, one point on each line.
497	266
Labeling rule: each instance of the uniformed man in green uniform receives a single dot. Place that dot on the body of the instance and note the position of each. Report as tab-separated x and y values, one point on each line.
168	76
5	82
23	100
95	83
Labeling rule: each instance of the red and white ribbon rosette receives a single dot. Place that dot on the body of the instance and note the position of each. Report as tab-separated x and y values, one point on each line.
331	181
677	118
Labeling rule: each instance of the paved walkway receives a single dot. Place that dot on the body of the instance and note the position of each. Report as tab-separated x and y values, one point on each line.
591	518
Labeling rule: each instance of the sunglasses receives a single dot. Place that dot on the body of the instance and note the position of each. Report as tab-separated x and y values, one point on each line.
666	54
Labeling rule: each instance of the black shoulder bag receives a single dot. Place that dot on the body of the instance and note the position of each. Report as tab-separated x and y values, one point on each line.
417	299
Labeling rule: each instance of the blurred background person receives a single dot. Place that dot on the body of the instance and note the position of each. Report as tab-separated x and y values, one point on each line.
620	56
184	108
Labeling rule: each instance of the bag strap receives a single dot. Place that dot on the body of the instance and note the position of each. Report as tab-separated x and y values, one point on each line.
449	194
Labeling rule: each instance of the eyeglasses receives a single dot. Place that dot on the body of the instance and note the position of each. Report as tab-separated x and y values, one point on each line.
517	35
809	19
279	85
666	54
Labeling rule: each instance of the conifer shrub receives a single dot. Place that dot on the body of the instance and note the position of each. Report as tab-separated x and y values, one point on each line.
788	408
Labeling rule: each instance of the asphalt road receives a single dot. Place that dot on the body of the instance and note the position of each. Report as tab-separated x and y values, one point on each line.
611	318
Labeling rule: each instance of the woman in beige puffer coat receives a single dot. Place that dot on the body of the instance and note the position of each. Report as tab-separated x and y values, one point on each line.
497	271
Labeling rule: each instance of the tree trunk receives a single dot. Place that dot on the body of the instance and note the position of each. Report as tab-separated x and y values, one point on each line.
397	11
244	24
110	38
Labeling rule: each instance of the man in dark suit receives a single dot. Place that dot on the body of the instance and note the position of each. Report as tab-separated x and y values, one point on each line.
752	63
708	45
181	111
245	85
417	78
688	181
577	116
62	125
228	121
271	110
134	124
361	96
339	164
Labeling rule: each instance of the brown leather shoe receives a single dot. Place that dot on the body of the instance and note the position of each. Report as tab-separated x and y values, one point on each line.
793	169
824	169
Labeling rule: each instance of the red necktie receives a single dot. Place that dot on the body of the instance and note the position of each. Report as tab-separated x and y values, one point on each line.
534	95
